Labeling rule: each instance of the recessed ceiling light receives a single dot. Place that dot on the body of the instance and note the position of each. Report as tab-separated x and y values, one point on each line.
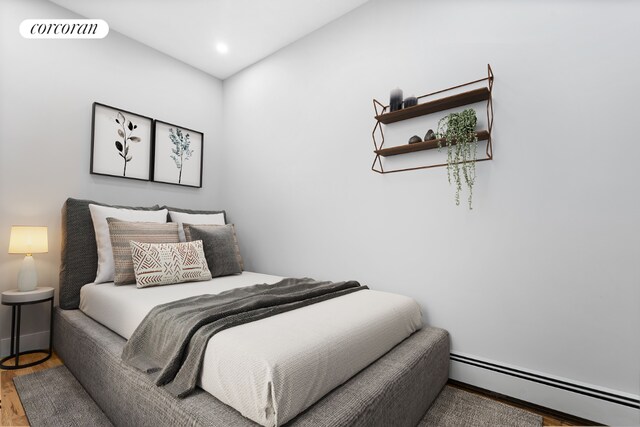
222	48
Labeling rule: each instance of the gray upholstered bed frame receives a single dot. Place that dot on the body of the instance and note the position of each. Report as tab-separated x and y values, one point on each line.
395	390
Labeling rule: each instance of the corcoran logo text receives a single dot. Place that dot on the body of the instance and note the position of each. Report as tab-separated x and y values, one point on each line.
64	29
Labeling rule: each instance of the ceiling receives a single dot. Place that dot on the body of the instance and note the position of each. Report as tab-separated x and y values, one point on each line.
190	30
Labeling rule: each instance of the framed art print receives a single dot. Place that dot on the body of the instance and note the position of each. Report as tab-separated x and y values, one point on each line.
120	143
177	155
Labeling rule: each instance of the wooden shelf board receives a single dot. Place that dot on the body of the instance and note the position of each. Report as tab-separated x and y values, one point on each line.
482	135
453	101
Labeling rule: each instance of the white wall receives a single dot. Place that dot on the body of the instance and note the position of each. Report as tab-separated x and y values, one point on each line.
543	273
47	88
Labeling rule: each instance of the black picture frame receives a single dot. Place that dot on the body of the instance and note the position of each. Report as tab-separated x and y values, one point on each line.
116	137
169	142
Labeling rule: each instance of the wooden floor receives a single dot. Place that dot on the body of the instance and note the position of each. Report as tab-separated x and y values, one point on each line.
549	417
13	413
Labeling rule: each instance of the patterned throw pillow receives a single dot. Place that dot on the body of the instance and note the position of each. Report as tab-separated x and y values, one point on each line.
122	232
167	263
220	247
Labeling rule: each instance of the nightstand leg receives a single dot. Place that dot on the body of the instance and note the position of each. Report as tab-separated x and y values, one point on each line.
51	330
18	336
13	330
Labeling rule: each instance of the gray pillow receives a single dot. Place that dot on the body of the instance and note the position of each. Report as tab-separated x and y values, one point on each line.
205	227
220	247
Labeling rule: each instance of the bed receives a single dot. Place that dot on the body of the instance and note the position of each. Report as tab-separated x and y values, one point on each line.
394	389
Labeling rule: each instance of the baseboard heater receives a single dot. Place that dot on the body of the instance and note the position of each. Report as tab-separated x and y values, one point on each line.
552	382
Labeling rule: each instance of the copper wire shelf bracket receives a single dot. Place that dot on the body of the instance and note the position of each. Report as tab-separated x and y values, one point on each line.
385	116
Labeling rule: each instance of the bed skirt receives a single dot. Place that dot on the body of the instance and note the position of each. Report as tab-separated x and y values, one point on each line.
395	390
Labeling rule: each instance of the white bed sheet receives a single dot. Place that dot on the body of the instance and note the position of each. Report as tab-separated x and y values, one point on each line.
272	369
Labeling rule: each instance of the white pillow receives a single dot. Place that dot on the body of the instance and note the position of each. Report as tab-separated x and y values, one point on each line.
99	215
196	219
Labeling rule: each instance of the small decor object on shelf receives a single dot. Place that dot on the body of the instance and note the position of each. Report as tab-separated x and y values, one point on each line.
28	240
457	132
120	143
415	139
410	101
177	155
395	100
430	135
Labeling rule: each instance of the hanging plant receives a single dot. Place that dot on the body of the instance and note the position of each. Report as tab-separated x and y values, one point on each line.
457	132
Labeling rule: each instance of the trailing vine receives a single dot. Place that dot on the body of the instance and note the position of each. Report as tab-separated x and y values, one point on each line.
457	132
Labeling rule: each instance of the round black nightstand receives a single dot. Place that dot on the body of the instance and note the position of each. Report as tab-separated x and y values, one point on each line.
16	300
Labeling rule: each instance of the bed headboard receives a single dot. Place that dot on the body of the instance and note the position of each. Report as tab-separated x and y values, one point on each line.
79	252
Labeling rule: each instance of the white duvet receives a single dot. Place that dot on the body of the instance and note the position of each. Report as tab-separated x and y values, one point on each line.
272	369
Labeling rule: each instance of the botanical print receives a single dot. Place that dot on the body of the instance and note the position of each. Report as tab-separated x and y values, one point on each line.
123	147
177	155
181	151
132	133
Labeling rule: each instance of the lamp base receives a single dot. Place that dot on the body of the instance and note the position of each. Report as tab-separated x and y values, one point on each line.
28	276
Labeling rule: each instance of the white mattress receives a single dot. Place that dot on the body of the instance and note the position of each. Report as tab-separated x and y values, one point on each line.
272	369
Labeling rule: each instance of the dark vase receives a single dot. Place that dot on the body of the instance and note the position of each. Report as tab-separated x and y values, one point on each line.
410	101
395	99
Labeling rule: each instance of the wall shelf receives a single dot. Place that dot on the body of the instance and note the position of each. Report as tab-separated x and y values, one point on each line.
384	117
482	135
453	101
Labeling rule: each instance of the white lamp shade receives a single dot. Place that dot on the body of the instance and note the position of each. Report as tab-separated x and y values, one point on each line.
28	240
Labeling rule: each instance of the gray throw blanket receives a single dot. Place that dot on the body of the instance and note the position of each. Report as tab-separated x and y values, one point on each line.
172	338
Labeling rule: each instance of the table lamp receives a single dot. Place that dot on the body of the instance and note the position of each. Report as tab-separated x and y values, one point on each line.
28	240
